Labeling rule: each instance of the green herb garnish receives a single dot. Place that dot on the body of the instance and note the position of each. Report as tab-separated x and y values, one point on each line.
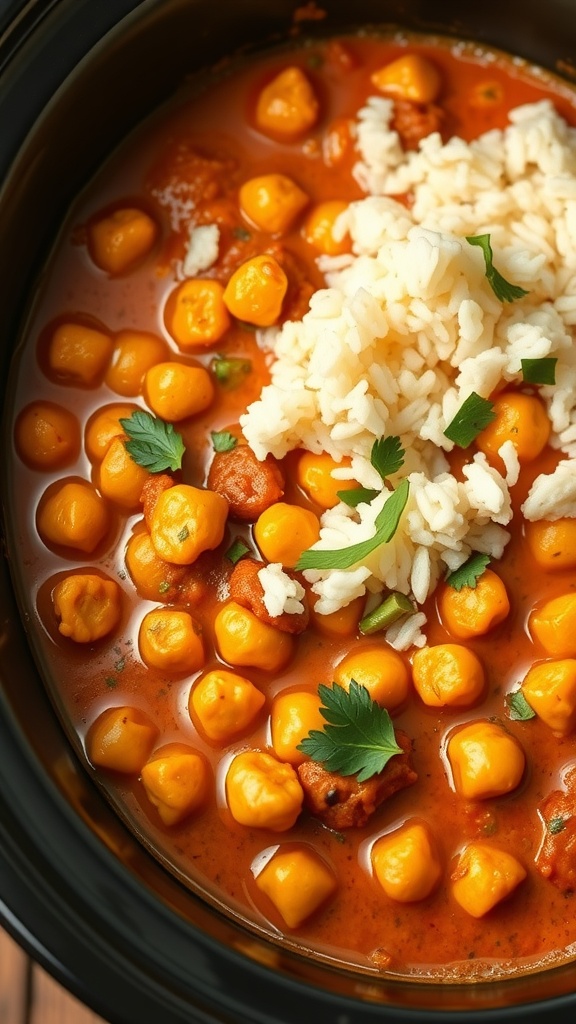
502	288
387	456
242	234
386	524
183	534
354	496
152	443
474	414
359	737
468	574
223	440
392	608
556	825
236	551
163	587
539	371
519	709
230	370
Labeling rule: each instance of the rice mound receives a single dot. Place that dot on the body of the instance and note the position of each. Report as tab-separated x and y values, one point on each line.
408	326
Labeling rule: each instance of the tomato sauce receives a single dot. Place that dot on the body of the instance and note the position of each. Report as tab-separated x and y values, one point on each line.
190	158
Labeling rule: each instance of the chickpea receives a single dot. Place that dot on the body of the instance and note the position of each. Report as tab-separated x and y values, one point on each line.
343	622
262	792
319	228
550	689
121	739
283	532
121	479
78	354
73	515
152	577
486	760
552	544
314	476
521	419
135	352
122	238
409	77
297	882
196	315
187	521
381	670
407	863
256	290
245	640
102	427
287	106
225	704
171	640
176	781
483	877
47	436
448	675
88	607
272	202
294	715
473	611
175	391
553	625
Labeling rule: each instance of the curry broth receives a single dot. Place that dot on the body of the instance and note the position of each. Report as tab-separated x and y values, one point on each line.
360	926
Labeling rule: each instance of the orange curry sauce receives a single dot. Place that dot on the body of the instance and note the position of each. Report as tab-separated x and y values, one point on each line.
187	162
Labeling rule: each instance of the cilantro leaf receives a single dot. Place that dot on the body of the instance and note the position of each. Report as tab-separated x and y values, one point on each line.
386	525
502	288
237	550
473	415
223	440
468	574
387	456
152	443
539	371
519	709
359	737
354	496
230	370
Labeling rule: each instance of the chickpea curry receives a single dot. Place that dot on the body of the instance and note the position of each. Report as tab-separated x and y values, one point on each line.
410	811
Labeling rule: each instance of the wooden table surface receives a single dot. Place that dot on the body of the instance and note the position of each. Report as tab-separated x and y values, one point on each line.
28	995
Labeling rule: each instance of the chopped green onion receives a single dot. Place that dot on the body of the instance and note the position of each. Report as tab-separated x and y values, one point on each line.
237	550
539	371
392	608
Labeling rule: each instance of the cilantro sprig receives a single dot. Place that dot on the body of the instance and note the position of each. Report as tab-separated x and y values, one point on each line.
387	457
473	416
502	288
468	574
386	524
152	443
223	440
358	738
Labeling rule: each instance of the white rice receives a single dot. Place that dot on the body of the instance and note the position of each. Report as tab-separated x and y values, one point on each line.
408	326
202	250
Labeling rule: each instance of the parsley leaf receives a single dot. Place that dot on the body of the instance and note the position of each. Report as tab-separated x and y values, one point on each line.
473	415
152	443
387	456
223	440
354	496
502	288
468	574
237	550
230	370
539	371
519	709
359	737
386	525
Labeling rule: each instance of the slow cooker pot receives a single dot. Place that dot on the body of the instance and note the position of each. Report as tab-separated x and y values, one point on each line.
76	889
